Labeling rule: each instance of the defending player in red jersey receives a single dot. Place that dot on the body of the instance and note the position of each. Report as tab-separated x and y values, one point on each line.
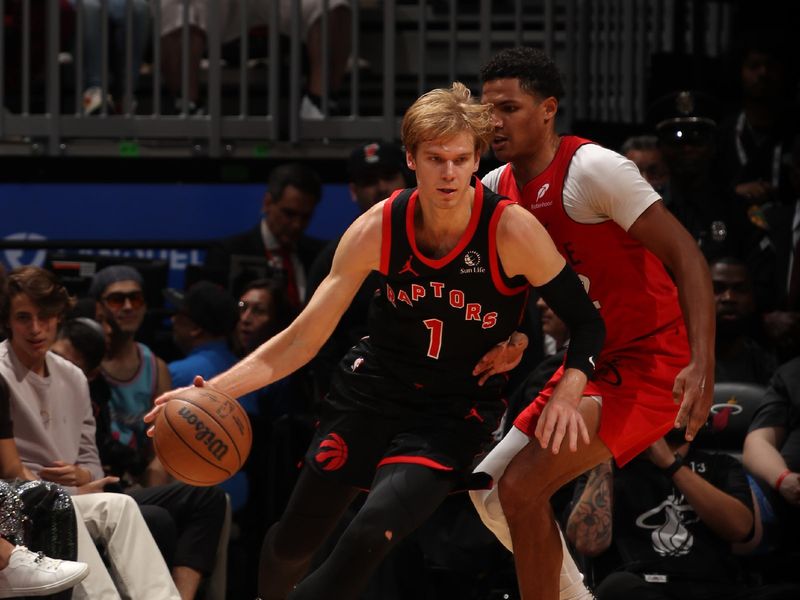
612	228
407	410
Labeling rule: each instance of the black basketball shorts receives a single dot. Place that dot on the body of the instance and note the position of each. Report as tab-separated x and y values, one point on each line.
368	420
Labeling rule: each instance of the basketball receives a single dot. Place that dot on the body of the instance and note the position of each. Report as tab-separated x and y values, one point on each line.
203	437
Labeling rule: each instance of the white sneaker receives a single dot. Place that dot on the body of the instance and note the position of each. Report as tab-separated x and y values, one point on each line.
309	110
34	574
93	101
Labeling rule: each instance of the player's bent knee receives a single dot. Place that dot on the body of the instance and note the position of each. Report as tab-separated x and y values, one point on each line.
487	505
510	497
517	496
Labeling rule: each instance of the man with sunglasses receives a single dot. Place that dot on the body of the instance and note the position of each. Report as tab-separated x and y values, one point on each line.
135	377
134	373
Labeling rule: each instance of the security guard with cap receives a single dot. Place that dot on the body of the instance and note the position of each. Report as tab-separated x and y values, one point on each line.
686	126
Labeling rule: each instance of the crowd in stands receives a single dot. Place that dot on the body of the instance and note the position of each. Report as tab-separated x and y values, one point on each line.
128	54
712	519
680	521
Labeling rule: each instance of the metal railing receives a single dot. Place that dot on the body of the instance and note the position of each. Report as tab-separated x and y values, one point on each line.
603	48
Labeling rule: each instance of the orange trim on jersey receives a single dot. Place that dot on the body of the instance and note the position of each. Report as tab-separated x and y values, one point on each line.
494	259
386	232
415	460
474	219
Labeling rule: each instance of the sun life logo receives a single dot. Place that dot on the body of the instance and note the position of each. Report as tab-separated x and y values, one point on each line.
472	260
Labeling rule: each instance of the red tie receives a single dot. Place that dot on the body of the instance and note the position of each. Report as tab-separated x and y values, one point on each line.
292	291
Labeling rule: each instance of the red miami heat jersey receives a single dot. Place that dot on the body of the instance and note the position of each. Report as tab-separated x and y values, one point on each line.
435	318
628	284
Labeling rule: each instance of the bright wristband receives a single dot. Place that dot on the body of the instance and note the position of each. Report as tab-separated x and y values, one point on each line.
780	479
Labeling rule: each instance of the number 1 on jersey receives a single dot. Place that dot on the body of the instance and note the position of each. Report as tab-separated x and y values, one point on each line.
435	345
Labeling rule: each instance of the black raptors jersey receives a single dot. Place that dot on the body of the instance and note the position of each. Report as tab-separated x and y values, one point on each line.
435	318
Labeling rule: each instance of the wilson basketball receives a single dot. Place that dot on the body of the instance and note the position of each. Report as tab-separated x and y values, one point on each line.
203	437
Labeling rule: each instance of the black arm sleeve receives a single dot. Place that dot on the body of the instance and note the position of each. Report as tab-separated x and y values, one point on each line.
564	294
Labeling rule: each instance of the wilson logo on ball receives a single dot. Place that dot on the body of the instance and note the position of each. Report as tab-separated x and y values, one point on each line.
216	446
332	452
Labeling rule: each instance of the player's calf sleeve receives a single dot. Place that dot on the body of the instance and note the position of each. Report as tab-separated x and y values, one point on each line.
488	506
487	502
571	586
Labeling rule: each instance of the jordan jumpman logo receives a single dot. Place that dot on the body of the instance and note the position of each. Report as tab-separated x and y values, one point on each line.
407	267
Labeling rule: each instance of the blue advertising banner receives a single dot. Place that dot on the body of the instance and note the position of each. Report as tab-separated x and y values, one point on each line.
169	212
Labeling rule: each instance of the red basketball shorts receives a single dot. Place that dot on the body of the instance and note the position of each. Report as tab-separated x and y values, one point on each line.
635	384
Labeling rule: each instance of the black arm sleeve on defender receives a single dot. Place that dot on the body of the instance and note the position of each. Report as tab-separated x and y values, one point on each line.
566	296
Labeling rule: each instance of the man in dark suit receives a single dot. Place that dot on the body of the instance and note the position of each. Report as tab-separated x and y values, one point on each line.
293	193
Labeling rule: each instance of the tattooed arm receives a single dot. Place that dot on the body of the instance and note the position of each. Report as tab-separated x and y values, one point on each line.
589	524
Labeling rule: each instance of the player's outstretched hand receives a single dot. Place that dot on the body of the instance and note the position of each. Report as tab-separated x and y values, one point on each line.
694	391
560	419
502	357
166	397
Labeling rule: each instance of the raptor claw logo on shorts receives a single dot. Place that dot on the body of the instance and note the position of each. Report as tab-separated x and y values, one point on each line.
332	452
